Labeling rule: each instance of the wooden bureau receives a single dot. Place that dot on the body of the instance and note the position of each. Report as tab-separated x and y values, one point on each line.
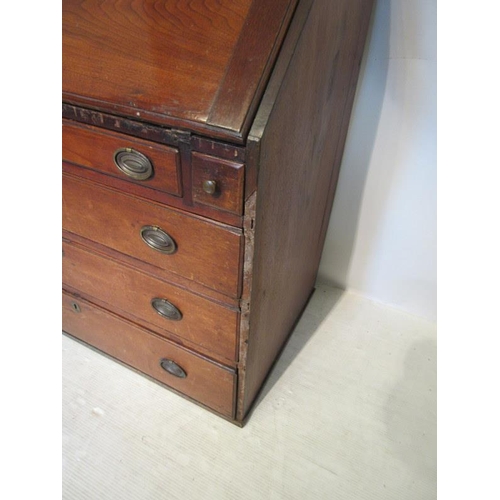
202	142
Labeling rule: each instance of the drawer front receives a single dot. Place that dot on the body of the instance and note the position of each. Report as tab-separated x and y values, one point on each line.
218	183
146	163
159	306
206	252
204	381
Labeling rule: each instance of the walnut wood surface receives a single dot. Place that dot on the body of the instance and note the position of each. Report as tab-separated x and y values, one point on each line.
208	253
207	382
129	293
297	137
93	148
175	63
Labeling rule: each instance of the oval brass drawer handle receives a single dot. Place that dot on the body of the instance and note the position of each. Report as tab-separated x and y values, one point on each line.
166	309
173	368
158	239
133	164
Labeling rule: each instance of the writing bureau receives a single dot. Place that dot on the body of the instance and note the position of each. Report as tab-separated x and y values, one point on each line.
202	142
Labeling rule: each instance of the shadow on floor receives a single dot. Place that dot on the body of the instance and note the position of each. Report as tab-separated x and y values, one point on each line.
322	302
411	410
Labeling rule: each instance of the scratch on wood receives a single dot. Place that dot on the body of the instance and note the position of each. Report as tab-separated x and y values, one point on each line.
248	233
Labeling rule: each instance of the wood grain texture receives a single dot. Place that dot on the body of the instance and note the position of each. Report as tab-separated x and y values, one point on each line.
265	117
253	58
173	63
153	271
129	292
155	133
167	58
207	252
92	148
229	177
299	136
207	382
153	194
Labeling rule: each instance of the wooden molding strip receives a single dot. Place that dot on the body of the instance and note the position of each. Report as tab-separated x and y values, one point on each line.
254	55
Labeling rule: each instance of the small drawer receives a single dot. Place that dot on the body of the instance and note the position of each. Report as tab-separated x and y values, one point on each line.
198	378
143	162
159	306
186	245
218	183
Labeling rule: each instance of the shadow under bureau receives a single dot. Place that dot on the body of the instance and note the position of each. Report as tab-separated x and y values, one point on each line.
202	142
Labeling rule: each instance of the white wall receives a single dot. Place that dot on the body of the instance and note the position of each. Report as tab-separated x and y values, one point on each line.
381	239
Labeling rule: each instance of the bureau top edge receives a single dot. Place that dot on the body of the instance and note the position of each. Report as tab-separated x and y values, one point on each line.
151	132
199	66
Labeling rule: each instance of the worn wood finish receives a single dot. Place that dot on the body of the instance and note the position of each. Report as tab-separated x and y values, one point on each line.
153	271
295	177
155	133
207	382
246	76
174	63
202	145
208	253
130	292
229	178
126	125
265	118
161	197
92	148
221	150
149	58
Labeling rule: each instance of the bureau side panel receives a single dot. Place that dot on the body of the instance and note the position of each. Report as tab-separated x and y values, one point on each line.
299	134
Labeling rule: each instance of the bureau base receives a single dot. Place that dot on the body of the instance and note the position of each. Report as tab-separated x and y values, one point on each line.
152	379
88	339
196	376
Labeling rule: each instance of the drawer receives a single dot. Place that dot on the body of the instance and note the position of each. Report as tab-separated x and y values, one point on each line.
143	162
188	316
218	183
209	383
187	245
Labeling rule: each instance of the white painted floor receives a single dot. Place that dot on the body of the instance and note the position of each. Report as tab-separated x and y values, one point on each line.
349	412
